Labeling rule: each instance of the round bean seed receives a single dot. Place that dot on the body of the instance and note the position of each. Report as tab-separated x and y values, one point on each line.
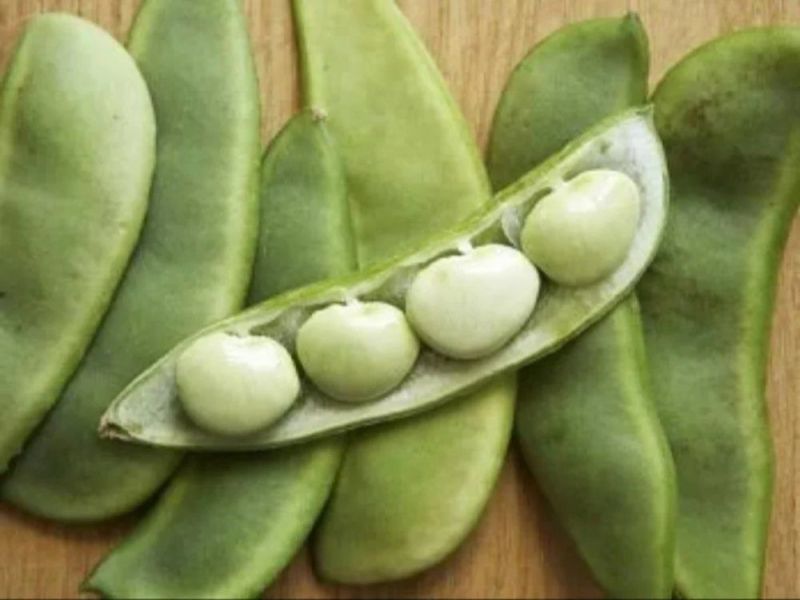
357	351
235	385
582	231
468	306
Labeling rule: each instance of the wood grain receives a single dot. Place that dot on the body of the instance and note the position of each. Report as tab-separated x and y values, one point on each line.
517	551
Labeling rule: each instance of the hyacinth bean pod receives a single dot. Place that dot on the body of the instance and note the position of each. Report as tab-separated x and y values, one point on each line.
733	145
78	149
191	266
399	131
586	420
281	492
148	411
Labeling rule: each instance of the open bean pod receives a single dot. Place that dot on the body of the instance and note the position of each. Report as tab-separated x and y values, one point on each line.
149	412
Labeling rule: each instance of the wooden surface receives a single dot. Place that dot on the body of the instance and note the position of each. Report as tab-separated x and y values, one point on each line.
517	551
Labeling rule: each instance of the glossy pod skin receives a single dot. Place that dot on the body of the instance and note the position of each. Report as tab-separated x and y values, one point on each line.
227	524
148	411
78	158
733	151
586	422
191	266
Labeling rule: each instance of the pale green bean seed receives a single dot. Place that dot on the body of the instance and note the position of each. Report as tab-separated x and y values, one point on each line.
236	385
470	305
582	231
357	351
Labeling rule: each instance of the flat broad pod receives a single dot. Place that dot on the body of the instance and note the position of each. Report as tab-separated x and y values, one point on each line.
149	411
303	205
733	144
193	257
77	147
586	423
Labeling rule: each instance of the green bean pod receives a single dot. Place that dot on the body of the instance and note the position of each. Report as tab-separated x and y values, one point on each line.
399	131
227	525
397	126
586	421
191	266
730	119
77	151
384	448
305	234
601	66
149	410
589	432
